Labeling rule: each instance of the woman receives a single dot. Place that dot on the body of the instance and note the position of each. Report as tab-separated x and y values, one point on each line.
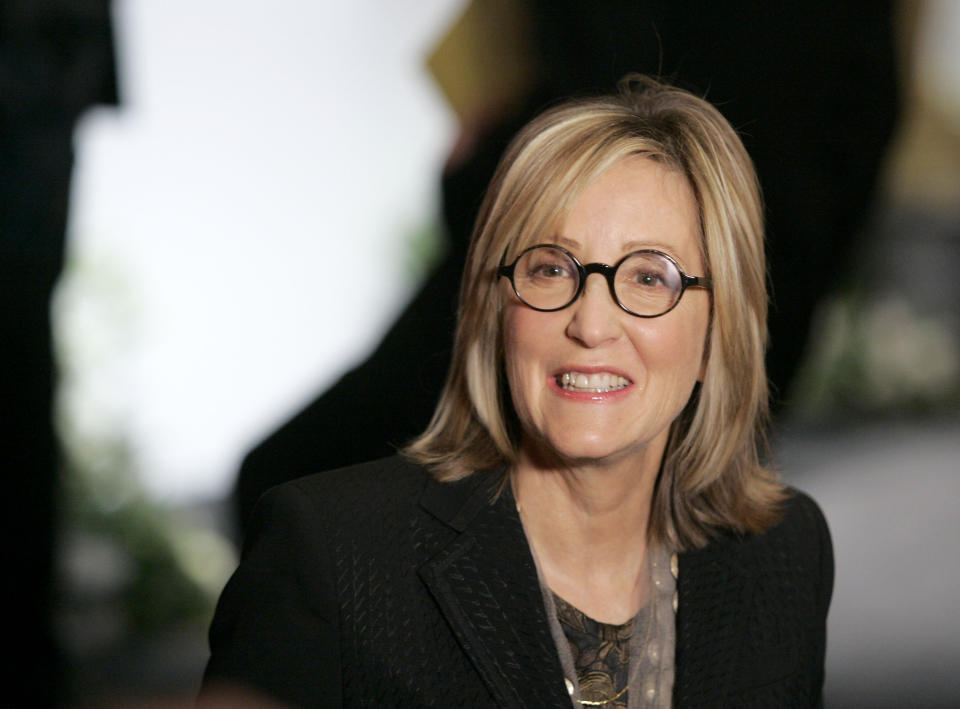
585	521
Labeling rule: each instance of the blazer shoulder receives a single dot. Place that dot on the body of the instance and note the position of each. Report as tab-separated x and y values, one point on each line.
802	511
394	470
752	613
799	537
804	519
801	526
796	549
389	486
393	478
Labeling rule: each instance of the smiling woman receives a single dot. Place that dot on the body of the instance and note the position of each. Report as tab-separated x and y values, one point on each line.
636	203
585	521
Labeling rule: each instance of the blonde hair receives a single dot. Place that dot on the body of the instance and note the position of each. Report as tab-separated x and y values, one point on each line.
711	476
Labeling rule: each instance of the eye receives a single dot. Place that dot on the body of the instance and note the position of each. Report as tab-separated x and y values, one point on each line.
546	264
649	271
549	270
646	277
545	278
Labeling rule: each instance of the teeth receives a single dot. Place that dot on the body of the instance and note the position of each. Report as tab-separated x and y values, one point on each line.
597	383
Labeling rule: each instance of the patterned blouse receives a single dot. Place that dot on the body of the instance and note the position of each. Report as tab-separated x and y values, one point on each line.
628	666
601	655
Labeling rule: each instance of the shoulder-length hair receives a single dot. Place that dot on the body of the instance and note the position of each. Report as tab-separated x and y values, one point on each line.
711	476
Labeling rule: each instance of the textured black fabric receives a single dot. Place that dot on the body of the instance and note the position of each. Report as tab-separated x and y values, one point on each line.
376	586
751	625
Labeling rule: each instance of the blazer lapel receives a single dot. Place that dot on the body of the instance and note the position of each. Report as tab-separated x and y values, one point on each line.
485	584
715	590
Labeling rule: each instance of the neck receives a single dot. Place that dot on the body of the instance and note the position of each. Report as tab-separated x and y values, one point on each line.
587	527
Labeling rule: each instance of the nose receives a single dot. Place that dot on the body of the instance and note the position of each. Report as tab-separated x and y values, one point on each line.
594	317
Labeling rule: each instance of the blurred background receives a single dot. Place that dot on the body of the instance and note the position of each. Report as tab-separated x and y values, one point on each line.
267	213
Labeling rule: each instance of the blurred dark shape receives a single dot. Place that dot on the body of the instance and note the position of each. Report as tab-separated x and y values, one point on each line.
56	59
812	88
376	407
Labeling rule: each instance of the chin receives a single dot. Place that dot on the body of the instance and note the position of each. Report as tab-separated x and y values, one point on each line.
584	452
577	446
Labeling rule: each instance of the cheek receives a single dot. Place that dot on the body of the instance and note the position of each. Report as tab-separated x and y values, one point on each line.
514	353
676	353
511	345
693	353
524	348
694	336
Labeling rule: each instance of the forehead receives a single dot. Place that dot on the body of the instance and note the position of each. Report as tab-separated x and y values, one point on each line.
637	203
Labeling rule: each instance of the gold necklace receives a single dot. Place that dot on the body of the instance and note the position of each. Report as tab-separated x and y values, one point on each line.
601	702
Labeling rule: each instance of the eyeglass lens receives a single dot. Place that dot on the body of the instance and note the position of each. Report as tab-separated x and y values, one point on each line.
645	283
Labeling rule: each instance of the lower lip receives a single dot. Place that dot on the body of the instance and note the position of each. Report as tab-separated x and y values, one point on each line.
588	396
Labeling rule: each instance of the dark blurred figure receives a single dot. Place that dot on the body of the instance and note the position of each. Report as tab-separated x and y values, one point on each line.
56	59
812	88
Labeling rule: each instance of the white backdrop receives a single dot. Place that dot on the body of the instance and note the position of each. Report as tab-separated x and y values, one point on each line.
240	226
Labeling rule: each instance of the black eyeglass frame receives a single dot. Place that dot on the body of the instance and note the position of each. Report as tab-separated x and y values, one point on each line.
608	272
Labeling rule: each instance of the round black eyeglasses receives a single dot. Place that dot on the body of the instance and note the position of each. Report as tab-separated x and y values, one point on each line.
645	283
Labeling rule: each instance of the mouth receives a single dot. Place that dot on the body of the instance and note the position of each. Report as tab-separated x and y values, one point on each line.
595	383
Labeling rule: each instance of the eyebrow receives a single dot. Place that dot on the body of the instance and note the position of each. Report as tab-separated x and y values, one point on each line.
628	247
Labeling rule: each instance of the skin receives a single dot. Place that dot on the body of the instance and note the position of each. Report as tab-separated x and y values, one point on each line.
588	462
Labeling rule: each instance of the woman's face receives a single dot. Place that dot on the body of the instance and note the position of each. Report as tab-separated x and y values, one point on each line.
647	367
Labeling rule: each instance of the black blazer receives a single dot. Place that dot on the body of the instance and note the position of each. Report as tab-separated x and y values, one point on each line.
376	586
